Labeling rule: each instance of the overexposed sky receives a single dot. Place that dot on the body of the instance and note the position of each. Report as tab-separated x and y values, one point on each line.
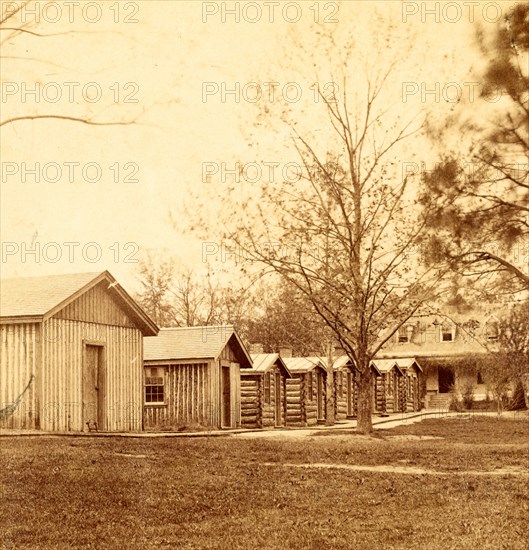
122	192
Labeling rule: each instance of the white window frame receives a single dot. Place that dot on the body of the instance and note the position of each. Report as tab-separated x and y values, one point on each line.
149	370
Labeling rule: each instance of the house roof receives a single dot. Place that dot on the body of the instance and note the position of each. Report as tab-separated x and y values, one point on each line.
35	299
264	361
189	343
302	364
385	365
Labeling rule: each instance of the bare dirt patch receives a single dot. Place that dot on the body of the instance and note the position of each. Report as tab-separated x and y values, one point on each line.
407	470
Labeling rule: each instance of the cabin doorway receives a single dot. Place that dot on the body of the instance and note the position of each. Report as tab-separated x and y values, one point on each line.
226	398
446	379
93	389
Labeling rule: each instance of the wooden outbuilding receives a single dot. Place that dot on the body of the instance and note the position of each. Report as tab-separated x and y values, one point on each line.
71	354
192	378
388	397
410	383
264	392
305	391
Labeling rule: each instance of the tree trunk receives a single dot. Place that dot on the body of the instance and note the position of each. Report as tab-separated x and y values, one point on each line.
525	385
365	402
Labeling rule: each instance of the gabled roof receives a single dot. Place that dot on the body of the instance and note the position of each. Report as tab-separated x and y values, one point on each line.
385	365
264	361
189	343
338	362
407	362
303	364
35	299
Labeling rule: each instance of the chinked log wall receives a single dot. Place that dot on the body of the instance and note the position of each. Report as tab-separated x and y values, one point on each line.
295	387
340	394
251	401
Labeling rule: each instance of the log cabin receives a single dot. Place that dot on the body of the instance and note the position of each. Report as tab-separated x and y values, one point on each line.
305	391
71	354
264	392
192	378
388	395
410	383
344	388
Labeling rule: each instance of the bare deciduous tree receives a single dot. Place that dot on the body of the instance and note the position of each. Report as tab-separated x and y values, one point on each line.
344	235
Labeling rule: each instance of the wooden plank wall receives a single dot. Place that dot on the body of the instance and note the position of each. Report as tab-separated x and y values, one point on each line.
61	384
96	306
187	397
19	360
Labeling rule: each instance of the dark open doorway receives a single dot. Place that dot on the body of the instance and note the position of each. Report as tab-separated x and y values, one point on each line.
446	379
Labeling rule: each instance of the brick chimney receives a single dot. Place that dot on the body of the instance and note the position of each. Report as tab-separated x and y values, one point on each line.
256	347
285	352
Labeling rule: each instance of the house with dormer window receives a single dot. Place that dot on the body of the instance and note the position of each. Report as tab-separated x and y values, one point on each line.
449	348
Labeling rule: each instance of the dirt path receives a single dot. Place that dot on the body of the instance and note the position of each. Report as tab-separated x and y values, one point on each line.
406	470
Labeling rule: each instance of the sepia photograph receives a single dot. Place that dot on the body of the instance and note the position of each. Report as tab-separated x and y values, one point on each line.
264	277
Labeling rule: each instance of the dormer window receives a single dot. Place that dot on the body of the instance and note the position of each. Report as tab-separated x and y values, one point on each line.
492	331
447	333
404	334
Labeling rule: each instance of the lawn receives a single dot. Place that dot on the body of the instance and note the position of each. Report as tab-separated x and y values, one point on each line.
237	492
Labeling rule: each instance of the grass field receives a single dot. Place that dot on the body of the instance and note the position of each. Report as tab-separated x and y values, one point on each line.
449	484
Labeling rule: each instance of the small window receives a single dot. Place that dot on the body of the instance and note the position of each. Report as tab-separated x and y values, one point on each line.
154	385
480	378
267	388
447	333
492	331
404	335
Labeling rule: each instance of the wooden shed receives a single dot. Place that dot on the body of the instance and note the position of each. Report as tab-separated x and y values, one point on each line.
264	392
410	383
192	378
388	395
305	391
71	354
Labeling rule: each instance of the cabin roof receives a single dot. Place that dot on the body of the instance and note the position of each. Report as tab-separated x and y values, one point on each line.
303	364
338	362
264	361
35	299
407	362
187	343
385	365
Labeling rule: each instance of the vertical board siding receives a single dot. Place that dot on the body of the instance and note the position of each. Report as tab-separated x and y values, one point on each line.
96	306
187	398
19	355
63	346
